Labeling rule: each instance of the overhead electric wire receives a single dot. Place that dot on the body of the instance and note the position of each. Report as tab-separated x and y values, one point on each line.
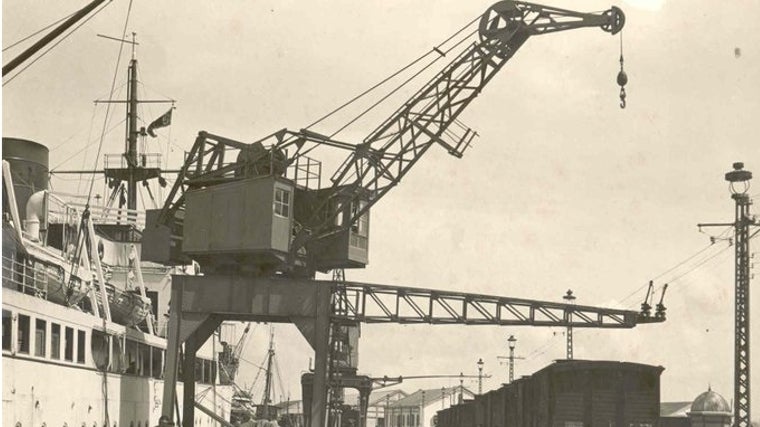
703	262
51	47
543	348
682	262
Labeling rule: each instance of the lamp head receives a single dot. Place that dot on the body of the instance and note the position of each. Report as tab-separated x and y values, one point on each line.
739	179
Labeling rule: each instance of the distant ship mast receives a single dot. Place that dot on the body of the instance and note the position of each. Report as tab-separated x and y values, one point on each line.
267	400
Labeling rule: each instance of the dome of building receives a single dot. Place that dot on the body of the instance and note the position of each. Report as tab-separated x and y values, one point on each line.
710	401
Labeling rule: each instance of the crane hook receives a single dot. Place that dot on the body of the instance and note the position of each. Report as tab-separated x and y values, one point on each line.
622	97
622	80
622	77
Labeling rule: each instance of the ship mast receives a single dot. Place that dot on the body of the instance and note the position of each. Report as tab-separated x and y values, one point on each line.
131	167
267	401
131	152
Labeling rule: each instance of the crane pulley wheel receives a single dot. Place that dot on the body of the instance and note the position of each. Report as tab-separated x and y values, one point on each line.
500	22
616	20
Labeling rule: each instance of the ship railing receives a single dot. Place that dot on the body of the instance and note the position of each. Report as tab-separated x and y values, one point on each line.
146	161
69	212
24	277
305	171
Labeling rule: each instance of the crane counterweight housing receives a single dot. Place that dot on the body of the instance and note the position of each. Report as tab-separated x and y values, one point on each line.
263	206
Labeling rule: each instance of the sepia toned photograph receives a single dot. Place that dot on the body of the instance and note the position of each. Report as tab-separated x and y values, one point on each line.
272	213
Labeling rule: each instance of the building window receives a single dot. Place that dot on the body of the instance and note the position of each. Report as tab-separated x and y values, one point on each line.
282	202
55	341
40	329
7	329
23	334
81	341
68	345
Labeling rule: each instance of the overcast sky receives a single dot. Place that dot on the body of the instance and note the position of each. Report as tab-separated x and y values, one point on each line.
563	189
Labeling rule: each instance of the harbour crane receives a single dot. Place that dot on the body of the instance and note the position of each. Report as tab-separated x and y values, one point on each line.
258	220
230	356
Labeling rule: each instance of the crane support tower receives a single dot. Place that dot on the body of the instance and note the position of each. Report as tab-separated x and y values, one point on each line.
259	221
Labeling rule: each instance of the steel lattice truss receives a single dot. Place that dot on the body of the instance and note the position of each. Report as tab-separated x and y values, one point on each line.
370	303
390	151
742	326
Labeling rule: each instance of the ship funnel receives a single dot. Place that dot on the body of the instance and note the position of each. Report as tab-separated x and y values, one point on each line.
29	169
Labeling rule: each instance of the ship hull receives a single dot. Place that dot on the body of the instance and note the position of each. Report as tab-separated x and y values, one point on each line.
71	386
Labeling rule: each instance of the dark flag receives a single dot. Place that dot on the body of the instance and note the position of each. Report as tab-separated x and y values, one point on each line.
160	122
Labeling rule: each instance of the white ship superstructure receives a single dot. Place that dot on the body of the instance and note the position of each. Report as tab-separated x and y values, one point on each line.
83	319
64	362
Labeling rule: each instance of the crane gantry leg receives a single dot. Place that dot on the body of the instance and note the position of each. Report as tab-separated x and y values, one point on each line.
199	305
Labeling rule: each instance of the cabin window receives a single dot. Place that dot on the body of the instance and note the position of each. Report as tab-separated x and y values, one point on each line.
23	334
209	371
68	345
145	360
117	361
360	227
361	224
40	329
81	341
157	364
99	348
282	202
7	329
199	371
131	357
339	215
55	341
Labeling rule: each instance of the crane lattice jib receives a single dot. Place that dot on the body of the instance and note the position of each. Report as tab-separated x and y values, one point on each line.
390	151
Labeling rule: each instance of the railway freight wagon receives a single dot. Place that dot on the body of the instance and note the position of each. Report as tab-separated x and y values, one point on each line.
567	393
